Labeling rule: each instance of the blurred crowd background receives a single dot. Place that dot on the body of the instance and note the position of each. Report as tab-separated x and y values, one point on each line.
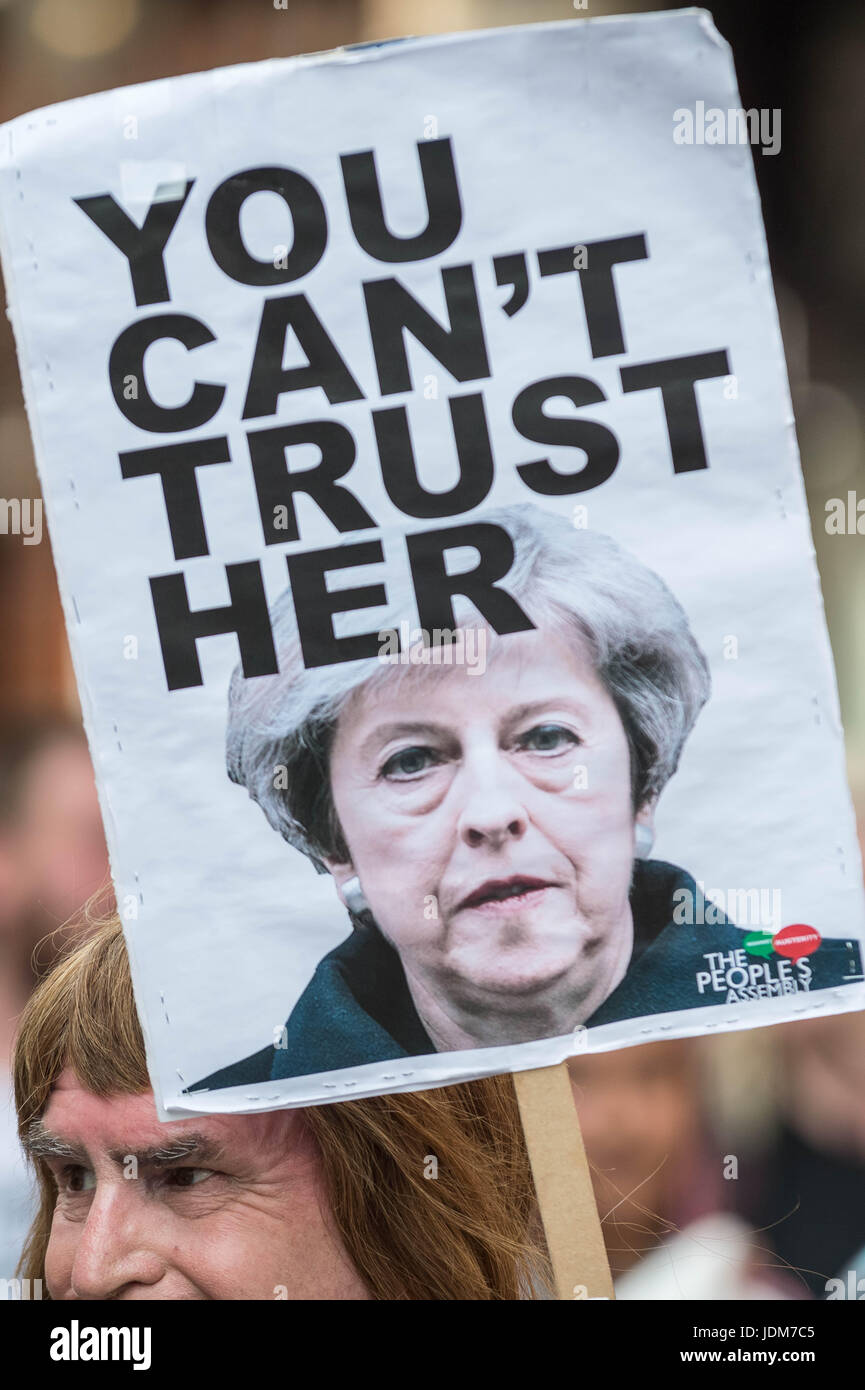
730	1167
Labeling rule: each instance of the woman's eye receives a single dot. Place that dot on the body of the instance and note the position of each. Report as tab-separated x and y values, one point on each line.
408	762
77	1179
548	738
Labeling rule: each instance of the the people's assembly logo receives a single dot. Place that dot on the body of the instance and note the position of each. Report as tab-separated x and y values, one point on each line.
781	966
738	976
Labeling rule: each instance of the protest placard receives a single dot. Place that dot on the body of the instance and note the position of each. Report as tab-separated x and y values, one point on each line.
419	463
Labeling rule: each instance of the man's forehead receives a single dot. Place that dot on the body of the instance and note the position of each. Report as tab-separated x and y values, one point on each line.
130	1124
76	1114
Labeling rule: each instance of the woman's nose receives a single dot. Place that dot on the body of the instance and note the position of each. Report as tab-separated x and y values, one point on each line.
492	812
115	1247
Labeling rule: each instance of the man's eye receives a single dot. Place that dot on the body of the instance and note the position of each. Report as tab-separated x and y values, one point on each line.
548	738
75	1178
187	1177
408	762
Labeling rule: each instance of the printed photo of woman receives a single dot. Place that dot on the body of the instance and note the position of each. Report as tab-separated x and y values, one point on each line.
489	830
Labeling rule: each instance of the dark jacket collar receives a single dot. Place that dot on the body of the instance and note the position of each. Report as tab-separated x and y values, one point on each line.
357	1008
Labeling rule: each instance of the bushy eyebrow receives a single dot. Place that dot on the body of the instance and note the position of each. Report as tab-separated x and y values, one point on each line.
41	1142
198	1146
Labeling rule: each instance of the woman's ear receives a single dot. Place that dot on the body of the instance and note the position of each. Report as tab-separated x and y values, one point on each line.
340	870
347	884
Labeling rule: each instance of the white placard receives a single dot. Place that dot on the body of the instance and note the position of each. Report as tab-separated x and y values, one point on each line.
481	328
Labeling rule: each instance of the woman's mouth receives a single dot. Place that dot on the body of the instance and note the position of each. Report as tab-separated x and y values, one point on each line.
504	894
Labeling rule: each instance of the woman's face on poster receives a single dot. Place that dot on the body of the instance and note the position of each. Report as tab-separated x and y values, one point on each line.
489	819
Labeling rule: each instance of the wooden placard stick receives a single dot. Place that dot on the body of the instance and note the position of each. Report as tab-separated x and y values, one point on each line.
562	1181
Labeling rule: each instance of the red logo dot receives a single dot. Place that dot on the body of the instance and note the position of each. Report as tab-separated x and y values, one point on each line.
796	941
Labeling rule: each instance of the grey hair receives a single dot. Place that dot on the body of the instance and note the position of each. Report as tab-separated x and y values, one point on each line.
578	582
